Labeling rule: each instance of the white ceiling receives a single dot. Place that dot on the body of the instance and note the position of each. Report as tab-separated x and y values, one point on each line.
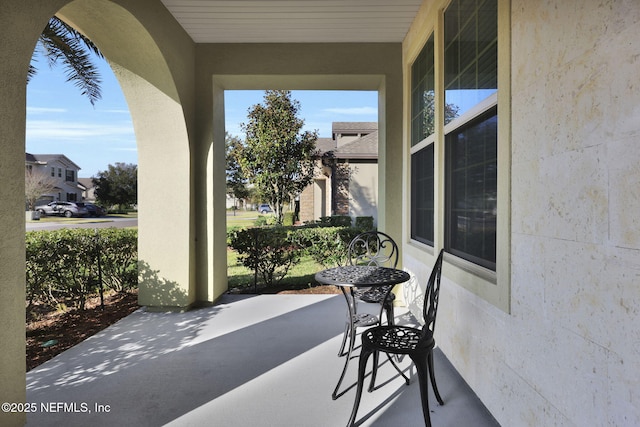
301	21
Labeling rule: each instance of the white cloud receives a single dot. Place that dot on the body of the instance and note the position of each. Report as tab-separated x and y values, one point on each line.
70	131
45	110
353	111
116	111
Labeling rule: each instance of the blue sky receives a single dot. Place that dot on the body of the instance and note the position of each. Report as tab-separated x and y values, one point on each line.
61	121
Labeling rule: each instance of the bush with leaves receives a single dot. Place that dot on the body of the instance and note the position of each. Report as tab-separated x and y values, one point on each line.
118	249
328	246
364	223
335	221
62	265
268	251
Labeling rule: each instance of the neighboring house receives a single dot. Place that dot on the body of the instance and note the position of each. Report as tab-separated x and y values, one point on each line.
88	189
347	179
63	170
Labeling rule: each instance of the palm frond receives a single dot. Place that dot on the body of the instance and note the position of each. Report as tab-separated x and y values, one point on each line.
61	43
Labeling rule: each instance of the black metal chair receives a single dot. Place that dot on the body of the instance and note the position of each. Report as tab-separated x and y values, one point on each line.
373	248
417	343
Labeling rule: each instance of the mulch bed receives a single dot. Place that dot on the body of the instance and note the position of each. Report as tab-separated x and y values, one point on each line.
54	332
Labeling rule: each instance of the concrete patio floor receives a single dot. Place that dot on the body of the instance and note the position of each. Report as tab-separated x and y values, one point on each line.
268	360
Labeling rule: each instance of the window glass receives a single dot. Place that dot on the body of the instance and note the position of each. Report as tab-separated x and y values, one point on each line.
471	205
423	94
471	53
422	204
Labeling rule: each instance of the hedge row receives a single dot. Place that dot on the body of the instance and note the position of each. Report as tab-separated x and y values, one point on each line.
271	251
66	266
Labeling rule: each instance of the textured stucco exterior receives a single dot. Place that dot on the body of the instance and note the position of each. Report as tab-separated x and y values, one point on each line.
567	349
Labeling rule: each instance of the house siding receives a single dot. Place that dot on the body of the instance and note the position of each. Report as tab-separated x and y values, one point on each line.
567	350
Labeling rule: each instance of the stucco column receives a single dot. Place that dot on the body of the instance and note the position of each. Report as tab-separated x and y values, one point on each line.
210	189
20	25
390	156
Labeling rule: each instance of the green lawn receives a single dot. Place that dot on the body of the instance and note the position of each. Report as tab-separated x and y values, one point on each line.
241	218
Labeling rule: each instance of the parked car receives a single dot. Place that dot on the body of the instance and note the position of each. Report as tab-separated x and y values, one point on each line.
264	209
95	210
68	209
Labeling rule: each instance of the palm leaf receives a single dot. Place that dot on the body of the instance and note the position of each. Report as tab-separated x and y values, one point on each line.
61	43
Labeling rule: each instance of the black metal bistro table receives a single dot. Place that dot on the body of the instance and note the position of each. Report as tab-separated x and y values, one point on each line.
356	276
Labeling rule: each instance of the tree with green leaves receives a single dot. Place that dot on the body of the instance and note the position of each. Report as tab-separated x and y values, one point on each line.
118	185
276	156
429	108
236	182
60	42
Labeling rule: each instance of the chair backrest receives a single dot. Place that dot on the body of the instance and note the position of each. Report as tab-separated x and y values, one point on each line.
373	248
432	295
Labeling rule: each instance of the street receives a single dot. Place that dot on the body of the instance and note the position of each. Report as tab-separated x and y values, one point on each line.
104	222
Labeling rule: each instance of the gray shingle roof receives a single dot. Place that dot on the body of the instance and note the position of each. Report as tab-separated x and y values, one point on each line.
351	127
325	144
362	148
365	147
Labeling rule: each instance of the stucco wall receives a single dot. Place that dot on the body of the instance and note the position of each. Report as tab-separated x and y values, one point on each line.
568	352
363	189
20	25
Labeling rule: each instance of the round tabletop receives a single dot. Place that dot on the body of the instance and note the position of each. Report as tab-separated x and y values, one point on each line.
361	275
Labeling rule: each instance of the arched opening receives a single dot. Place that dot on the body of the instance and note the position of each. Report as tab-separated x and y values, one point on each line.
158	119
155	89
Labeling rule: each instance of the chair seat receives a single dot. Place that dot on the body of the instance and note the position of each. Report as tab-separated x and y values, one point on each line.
364	320
375	295
397	339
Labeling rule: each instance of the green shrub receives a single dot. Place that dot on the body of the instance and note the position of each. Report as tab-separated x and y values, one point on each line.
328	246
335	221
62	265
264	220
364	223
268	251
288	219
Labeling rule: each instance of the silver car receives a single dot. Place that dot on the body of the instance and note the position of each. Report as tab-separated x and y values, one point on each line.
68	209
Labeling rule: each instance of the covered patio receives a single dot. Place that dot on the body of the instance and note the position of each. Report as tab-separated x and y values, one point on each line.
544	334
268	360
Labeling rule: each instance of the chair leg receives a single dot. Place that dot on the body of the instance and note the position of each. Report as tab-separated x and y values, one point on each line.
362	366
374	370
433	378
421	364
390	314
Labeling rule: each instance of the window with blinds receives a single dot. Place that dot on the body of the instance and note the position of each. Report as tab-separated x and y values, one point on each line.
471	164
470	52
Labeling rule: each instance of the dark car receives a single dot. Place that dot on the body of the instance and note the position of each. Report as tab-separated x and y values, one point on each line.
95	210
68	209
